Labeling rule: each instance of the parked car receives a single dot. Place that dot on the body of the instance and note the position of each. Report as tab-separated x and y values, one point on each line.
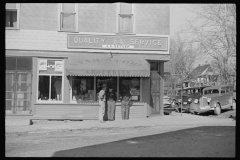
188	95
166	100
214	98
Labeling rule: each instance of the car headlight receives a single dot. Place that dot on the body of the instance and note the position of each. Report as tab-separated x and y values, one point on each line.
189	99
196	101
208	100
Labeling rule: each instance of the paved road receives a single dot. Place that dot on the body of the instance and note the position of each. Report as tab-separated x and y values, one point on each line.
208	141
57	138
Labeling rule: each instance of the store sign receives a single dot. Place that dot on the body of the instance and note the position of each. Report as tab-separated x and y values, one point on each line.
127	42
112	72
58	66
42	64
48	66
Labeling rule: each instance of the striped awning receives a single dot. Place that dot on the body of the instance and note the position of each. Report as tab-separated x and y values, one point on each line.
118	67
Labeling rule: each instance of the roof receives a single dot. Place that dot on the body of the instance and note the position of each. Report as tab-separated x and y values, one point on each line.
199	70
219	86
195	87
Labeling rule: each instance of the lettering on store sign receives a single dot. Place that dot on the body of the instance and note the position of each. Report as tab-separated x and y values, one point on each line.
118	42
109	72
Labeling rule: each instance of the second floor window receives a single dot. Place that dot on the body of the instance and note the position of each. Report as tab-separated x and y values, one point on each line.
68	17
125	18
12	16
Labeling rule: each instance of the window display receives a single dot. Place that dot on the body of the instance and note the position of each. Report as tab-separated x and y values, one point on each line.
129	84
109	81
50	80
82	88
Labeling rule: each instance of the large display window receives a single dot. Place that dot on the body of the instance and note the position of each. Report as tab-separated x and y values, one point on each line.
82	88
109	81
85	89
50	80
129	84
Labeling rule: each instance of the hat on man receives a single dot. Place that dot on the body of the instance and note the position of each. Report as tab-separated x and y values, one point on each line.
104	85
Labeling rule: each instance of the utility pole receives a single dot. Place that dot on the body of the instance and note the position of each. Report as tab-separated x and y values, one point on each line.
181	87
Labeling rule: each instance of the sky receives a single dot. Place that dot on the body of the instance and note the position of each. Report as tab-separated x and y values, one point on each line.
178	17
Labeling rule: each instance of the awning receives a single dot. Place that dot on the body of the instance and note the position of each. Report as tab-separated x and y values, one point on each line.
97	66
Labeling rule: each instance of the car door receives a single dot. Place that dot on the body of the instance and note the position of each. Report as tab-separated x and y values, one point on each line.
223	97
229	95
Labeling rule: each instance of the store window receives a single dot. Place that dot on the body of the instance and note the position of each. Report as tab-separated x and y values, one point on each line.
12	15
125	18
129	84
153	66
82	88
68	17
50	80
109	81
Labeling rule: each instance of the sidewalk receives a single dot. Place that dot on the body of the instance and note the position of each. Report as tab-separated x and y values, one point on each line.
174	119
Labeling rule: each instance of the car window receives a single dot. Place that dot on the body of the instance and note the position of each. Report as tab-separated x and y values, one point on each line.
196	90
223	90
215	91
227	89
207	91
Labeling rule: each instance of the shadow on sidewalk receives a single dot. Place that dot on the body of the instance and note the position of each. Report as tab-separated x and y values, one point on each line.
194	142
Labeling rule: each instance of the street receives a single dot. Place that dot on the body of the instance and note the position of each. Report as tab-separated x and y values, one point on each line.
148	141
210	141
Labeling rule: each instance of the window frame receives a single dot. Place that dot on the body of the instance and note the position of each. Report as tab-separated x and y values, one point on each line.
124	14
18	16
60	29
50	75
95	101
70	79
223	90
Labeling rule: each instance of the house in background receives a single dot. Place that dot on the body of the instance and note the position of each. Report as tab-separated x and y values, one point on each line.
200	76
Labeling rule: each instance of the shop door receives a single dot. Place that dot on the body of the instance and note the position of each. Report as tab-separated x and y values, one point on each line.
18	92
155	91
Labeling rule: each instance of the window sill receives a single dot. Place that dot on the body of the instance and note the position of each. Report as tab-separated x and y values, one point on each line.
49	102
125	33
68	31
11	28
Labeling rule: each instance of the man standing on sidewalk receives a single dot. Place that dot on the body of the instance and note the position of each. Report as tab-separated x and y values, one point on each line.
111	100
102	102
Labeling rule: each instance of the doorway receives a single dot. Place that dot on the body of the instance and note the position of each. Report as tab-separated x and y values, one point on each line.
18	85
155	91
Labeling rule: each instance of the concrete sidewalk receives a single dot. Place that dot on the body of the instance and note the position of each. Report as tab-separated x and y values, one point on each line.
174	119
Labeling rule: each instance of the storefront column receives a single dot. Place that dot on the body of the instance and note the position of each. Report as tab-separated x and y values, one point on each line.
161	72
34	85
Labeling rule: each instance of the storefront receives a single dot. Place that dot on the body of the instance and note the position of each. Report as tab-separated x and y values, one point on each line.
65	85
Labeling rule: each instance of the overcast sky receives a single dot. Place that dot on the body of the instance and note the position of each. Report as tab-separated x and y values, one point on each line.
178	17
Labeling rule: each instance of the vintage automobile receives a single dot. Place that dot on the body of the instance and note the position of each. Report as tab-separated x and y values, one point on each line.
214	98
188	95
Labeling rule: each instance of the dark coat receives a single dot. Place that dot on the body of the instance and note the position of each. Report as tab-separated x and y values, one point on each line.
111	95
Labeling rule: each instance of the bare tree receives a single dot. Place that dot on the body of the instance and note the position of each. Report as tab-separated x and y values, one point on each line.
182	58
214	28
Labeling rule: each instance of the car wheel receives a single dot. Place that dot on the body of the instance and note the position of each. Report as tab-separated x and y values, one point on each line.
234	105
217	109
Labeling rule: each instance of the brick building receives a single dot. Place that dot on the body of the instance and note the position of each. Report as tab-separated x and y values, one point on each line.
59	55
